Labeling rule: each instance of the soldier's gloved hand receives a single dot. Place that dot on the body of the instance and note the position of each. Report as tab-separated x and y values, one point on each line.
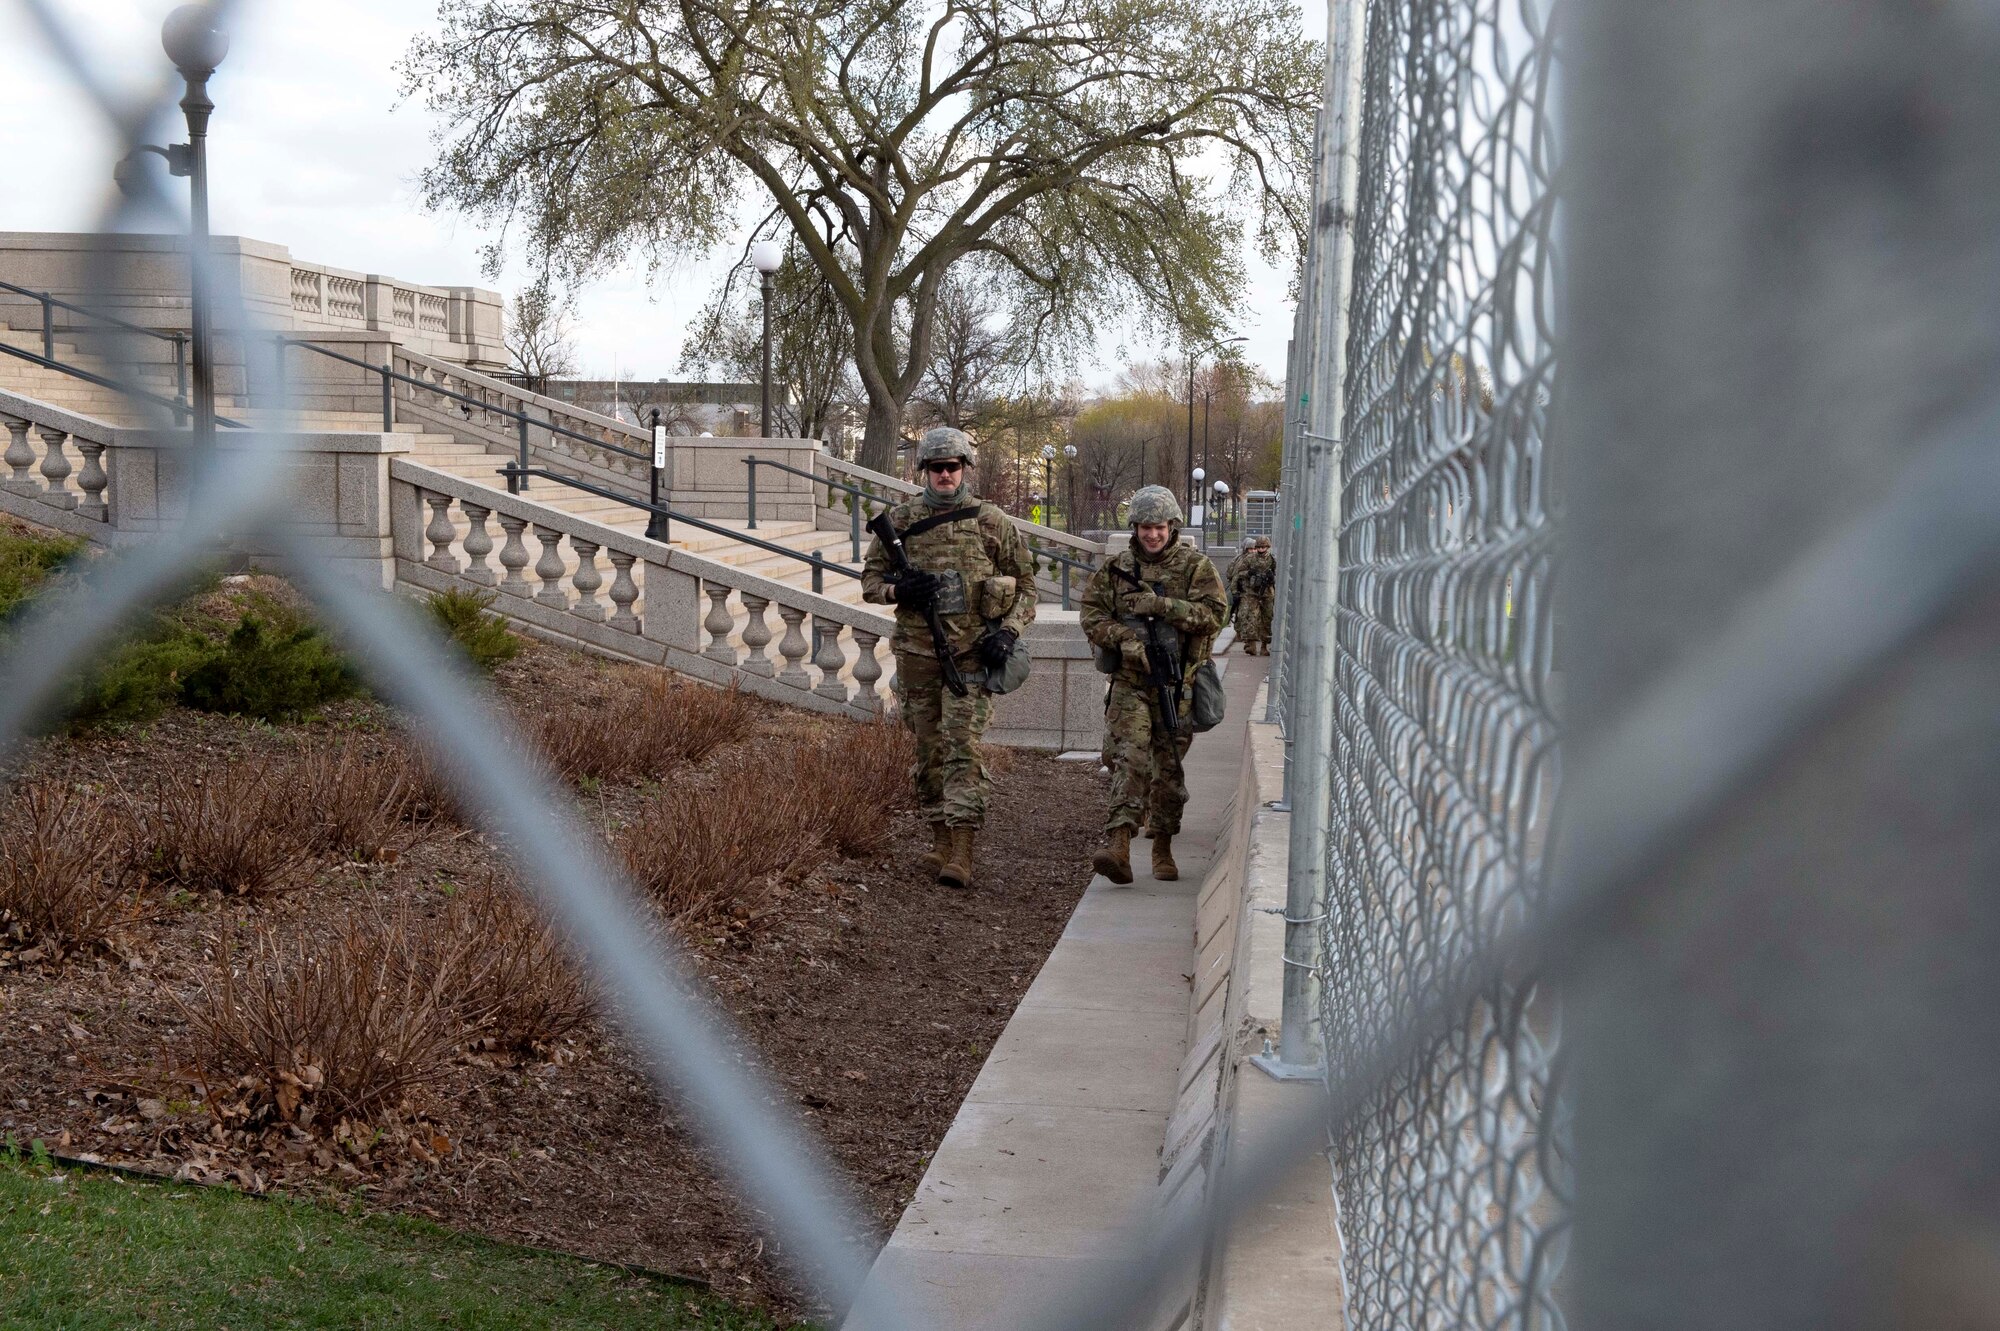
1134	656
995	646
1146	603
915	589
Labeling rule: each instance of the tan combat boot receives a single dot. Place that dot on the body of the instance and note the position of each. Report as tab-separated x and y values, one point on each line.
1164	867
1115	860
957	869
934	858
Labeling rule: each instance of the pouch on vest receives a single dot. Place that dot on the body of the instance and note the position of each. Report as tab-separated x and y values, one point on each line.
997	596
950	598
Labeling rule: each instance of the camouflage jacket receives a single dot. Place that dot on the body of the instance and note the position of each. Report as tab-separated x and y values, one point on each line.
980	550
1189	580
1246	565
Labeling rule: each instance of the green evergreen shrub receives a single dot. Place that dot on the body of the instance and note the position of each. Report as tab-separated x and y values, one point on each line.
138	678
462	615
273	672
26	561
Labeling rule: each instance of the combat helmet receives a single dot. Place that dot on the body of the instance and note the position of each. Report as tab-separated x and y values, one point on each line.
944	442
1155	503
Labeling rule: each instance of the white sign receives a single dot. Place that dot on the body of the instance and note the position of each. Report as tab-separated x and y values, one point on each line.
660	447
1197	520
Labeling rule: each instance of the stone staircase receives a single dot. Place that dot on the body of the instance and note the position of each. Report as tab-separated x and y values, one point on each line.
431	447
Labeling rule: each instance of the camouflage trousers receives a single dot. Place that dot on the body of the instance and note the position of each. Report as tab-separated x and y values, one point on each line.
1145	761
1253	618
949	773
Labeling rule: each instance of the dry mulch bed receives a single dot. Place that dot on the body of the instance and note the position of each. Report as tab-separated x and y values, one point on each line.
872	994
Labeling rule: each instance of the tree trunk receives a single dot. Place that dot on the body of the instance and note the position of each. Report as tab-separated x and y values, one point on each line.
884	429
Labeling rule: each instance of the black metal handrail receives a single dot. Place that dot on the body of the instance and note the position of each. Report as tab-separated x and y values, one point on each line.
50	304
390	376
1063	562
820	565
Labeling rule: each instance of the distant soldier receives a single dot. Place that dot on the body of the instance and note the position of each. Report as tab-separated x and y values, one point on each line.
966	561
1157	592
1253	593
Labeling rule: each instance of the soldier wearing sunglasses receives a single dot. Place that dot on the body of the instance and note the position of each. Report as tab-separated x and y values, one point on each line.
966	561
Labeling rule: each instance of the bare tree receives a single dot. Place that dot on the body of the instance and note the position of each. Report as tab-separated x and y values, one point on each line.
812	346
1088	159
974	355
537	335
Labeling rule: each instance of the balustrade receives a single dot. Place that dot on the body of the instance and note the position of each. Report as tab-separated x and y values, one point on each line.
56	468
567	576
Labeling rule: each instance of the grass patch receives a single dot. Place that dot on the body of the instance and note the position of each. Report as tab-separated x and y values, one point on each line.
86	1252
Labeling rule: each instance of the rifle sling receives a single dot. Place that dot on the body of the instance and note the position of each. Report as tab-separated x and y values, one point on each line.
922	525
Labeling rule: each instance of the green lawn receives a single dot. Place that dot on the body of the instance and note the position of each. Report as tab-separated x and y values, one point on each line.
80	1249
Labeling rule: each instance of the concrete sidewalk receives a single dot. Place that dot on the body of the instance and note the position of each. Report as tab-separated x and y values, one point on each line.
1056	1151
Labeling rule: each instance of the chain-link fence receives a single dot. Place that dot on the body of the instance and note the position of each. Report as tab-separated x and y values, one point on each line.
1419	708
1452	1180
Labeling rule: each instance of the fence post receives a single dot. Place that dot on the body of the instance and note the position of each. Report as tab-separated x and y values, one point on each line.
1313	646
519	480
388	397
750	464
854	524
48	329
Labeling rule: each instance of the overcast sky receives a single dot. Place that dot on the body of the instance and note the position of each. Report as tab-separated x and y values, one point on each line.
312	148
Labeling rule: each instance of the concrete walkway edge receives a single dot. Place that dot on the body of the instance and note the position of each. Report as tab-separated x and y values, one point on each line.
1097	1107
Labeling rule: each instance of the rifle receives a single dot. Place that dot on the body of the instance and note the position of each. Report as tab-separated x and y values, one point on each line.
899	562
1163	654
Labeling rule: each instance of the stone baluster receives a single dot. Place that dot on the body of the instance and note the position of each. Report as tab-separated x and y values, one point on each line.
92	480
440	533
829	658
513	555
587	579
55	468
624	591
20	457
757	636
478	544
549	568
793	648
719	624
867	670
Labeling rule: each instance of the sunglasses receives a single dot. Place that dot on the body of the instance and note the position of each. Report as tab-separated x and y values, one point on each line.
943	468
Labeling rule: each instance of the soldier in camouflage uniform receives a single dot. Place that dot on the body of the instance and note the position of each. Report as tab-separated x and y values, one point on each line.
1253	594
975	567
1143	754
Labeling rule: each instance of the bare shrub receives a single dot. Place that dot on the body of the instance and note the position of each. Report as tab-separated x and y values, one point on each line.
64	869
859	776
510	973
646	728
224	827
360	800
349	1024
697	847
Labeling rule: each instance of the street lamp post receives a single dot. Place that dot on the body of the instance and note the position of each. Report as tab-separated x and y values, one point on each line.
1190	428
1069	470
1195	501
1049	479
196	45
766	255
1221	497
